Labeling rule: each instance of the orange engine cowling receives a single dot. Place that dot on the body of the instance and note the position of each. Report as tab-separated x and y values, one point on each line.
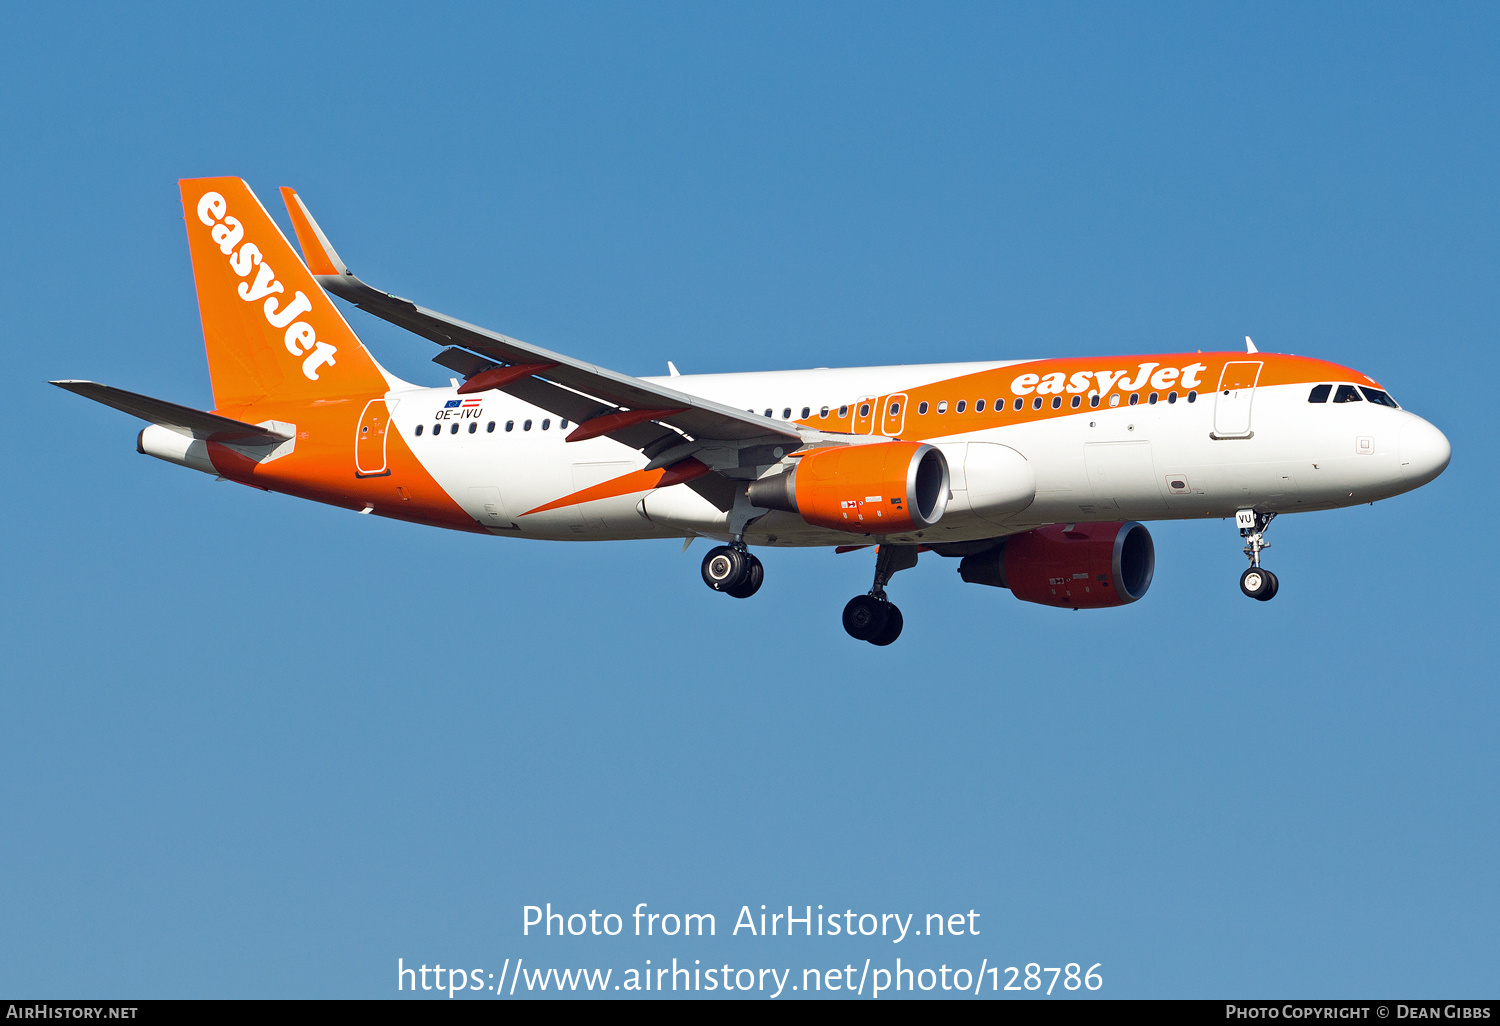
1077	566
882	488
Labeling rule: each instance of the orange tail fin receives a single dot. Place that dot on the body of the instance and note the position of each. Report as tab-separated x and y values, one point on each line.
271	332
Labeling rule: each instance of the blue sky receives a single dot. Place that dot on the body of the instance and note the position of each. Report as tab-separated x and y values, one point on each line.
259	747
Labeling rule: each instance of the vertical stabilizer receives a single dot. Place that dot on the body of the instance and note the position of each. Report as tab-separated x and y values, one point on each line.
271	332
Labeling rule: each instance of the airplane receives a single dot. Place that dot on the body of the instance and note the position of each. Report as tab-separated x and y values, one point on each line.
1036	475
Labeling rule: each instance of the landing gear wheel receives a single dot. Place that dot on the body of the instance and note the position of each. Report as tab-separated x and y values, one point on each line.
865	617
1259	584
892	629
725	568
754	575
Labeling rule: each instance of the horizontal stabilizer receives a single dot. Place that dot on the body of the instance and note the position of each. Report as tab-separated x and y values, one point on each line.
207	426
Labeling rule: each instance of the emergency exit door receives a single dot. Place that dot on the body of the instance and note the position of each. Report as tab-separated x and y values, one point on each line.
893	415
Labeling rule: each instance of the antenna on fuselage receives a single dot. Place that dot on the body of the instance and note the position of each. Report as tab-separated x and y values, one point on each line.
1250	346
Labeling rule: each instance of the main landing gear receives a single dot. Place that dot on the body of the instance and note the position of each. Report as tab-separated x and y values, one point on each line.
1256	582
733	570
873	617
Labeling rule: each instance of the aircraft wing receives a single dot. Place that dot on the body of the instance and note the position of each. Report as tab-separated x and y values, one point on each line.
665	424
208	426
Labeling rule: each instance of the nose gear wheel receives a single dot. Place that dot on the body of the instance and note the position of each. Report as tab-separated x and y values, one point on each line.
1256	582
1259	584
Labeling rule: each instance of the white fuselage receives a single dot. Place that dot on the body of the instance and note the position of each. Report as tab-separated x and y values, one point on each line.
1150	461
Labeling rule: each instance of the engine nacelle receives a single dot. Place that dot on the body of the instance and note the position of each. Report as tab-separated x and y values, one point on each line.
1077	566
882	488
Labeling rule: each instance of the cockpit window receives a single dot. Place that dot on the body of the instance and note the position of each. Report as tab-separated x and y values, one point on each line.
1319	394
1378	397
1346	394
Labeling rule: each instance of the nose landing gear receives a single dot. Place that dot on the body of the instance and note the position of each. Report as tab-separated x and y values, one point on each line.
733	570
1256	582
873	617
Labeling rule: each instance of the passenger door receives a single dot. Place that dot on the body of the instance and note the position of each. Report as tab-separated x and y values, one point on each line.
1233	400
370	437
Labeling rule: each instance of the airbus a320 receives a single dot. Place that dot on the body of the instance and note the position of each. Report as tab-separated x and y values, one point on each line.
1034	474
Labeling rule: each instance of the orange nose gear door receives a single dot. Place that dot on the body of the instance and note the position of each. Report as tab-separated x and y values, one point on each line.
1235	395
893	415
369	439
864	415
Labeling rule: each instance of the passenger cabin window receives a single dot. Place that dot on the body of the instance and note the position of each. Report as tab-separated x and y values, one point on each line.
546	423
807	412
419	431
1036	404
473	426
1378	397
525	425
562	425
922	407
1152	398
453	430
510	425
843	411
1093	400
943	406
979	406
962	405
1319	394
768	413
1135	397
1193	396
1346	394
490	428
786	414
1171	397
1020	405
822	412
1076	400
1057	402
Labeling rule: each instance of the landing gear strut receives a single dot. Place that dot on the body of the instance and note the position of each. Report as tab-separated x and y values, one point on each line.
1256	582
733	570
873	617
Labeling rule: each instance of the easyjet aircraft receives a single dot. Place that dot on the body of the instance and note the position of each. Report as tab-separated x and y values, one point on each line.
1033	473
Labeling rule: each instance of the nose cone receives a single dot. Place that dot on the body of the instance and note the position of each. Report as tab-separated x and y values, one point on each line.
1424	451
